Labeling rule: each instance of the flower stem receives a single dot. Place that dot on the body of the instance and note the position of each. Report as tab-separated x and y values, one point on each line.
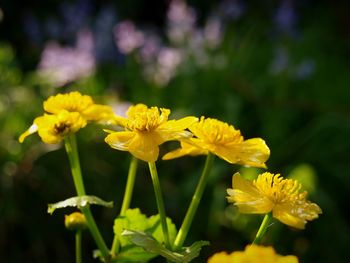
263	227
191	211
160	203
127	198
72	152
78	258
129	186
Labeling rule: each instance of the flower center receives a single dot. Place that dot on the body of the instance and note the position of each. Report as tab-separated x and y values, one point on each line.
141	118
61	128
216	132
277	189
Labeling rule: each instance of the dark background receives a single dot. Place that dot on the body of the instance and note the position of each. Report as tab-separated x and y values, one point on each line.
279	70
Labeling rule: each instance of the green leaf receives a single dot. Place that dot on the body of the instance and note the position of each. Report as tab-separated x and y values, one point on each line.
134	219
150	244
78	201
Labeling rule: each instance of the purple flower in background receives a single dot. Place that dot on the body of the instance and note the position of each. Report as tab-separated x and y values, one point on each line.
286	17
61	65
150	49
127	37
213	32
181	21
165	67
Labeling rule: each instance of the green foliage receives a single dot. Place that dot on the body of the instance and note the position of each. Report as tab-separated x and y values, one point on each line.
135	220
150	244
79	201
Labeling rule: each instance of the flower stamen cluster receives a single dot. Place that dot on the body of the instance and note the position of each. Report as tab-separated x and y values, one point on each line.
140	118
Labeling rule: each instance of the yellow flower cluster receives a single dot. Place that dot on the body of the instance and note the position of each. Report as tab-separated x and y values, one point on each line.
252	254
68	113
144	129
271	193
147	128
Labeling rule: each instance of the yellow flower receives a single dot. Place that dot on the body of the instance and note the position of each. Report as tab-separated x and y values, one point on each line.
272	193
83	104
252	254
53	128
69	113
146	129
224	141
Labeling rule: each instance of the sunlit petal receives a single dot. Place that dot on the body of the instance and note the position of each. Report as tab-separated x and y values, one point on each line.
284	214
186	149
178	125
144	147
32	129
253	152
120	140
100	113
247	197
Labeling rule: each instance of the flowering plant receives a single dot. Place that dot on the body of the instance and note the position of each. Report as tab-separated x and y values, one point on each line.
138	238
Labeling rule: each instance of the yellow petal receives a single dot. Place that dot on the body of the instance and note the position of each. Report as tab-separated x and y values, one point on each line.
221	257
253	152
144	147
247	197
98	112
175	129
120	140
178	125
72	101
287	259
283	212
297	213
32	129
229	154
261	254
186	149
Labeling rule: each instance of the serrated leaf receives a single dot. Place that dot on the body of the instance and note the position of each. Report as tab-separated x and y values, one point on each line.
134	219
150	244
194	250
78	201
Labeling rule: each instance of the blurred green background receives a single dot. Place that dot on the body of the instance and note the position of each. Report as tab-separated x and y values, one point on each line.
274	69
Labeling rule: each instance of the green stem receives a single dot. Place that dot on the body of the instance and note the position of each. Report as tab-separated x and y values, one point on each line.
191	211
263	227
160	203
129	186
72	152
78	258
127	198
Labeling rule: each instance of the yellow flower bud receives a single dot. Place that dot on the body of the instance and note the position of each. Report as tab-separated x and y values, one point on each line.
75	221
